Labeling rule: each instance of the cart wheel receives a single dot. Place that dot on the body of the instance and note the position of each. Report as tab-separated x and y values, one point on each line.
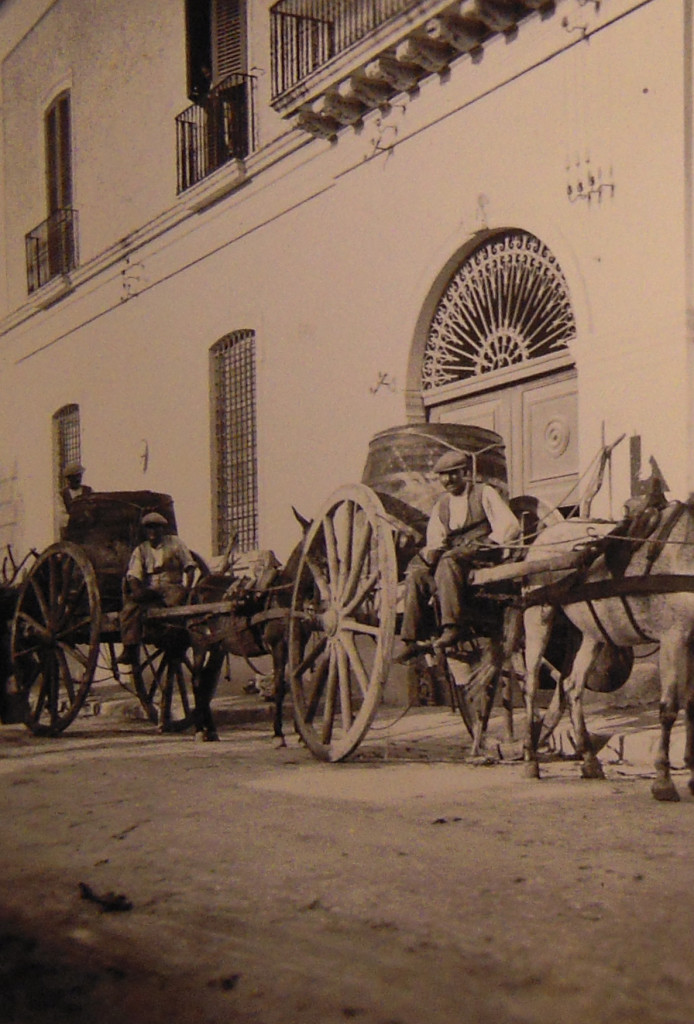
474	676
475	672
55	637
342	622
164	677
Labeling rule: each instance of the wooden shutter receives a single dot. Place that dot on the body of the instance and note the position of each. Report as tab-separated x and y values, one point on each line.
58	155
228	39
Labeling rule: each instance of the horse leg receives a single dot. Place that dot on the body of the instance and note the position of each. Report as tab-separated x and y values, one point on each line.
206	677
275	643
513	631
574	686
673	666
689	722
279	673
537	621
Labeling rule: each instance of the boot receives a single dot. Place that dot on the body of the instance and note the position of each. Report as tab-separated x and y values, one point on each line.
450	637
129	655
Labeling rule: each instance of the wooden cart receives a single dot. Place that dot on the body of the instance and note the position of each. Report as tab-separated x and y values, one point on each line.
65	622
346	600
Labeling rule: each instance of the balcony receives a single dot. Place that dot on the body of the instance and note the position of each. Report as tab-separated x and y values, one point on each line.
51	249
216	130
334	60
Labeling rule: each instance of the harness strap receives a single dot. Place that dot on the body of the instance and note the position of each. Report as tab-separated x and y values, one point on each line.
633	623
598	623
655	545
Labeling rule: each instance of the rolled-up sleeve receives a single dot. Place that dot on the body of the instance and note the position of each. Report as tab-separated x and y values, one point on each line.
505	526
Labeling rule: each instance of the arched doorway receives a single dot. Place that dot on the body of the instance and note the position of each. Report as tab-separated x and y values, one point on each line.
497	355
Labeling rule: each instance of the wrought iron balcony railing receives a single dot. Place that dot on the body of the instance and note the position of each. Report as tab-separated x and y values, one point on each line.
51	248
305	34
217	129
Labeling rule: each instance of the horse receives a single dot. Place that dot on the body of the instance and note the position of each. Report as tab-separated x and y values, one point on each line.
258	625
631	584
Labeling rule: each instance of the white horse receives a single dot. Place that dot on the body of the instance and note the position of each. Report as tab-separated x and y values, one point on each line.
628	591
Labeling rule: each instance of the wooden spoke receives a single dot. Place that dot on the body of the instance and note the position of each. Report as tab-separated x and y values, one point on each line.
362	550
355	661
63	673
360	627
349	557
67	578
317	686
33	626
345	689
74	627
361	594
330	694
55	636
40	600
164	679
313	655
331	549
73	601
345	543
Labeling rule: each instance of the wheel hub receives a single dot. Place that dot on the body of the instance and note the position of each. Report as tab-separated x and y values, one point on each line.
331	621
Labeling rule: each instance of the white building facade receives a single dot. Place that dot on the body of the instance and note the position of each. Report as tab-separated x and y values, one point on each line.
241	238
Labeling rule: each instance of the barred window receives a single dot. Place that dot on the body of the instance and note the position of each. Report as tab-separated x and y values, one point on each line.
234	441
67	440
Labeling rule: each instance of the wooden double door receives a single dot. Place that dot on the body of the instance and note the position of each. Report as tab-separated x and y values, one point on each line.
538	420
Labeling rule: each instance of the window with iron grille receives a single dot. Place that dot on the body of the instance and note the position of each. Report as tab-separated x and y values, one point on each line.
51	247
67	440
234	441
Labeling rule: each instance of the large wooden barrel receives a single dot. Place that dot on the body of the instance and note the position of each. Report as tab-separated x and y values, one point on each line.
401	459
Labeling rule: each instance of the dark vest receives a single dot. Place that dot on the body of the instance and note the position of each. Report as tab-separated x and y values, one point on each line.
476	526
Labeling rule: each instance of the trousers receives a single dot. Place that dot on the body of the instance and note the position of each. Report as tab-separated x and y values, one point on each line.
132	613
445	584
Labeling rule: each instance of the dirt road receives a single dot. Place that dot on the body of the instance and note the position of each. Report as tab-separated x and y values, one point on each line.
401	888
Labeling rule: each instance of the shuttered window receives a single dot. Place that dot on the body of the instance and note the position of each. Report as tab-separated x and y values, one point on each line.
58	154
234	441
229	44
216	38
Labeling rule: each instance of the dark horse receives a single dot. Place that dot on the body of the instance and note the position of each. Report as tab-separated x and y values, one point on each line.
257	626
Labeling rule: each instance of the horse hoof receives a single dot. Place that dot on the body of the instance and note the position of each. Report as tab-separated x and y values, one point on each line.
665	791
531	770
592	770
206	736
279	742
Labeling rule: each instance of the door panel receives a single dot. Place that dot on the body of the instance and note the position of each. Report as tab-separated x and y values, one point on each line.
550	441
538	421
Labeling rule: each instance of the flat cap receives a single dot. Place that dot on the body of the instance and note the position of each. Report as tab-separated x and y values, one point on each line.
154	519
453	460
73	469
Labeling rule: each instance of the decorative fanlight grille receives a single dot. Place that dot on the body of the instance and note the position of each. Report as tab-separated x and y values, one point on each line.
507	304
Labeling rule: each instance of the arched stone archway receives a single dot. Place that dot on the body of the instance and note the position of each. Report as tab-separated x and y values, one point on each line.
497	354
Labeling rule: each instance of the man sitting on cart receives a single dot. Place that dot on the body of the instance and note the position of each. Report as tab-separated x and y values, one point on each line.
469	521
160	572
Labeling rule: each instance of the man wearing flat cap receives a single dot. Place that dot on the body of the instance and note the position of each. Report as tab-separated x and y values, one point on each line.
74	488
468	516
160	572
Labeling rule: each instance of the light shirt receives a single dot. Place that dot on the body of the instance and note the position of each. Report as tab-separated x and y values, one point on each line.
161	565
503	523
